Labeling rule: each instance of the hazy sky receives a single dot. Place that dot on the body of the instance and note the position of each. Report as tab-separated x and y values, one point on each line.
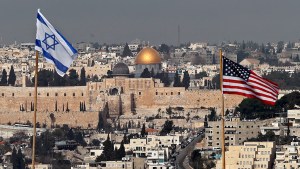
154	20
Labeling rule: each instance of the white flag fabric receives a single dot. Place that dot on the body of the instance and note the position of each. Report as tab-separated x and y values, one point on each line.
55	48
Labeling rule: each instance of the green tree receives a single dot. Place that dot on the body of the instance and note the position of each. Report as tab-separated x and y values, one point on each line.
82	81
73	78
288	101
146	73
280	46
163	48
121	151
108	151
78	136
186	80
200	75
11	77
177	82
14	159
126	51
95	142
253	108
143	131
216	81
70	135
58	133
100	125
20	159
45	78
167	128
169	111
58	80
3	81
213	114
152	74
164	77
241	55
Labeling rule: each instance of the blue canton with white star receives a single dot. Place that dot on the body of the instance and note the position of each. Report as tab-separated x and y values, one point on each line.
50	41
233	69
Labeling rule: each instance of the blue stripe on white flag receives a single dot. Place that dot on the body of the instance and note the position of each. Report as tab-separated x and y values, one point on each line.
53	45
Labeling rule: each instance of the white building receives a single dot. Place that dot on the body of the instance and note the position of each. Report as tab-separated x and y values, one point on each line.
288	156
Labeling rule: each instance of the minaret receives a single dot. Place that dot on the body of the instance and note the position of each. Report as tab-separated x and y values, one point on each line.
24	66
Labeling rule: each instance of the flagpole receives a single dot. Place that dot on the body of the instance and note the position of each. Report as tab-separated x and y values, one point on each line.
222	110
35	108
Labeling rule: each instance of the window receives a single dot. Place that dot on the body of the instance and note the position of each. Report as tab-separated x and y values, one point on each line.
156	93
13	94
217	126
65	94
81	94
178	93
140	93
29	94
74	94
171	93
47	94
56	94
92	153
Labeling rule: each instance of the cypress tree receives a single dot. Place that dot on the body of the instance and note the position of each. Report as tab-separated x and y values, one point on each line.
143	132
186	80
20	160
100	122
82	81
121	151
3	81
70	135
56	105
176	80
84	109
12	76
126	51
146	73
13	158
152	74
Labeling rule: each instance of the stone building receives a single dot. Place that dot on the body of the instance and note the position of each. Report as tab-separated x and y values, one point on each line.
287	156
236	132
254	155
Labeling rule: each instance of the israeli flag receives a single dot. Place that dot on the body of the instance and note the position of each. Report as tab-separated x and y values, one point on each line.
55	48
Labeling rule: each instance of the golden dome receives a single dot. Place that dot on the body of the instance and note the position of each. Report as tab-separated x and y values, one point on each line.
148	56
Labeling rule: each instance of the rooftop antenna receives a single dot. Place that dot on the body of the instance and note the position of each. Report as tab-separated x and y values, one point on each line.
178	35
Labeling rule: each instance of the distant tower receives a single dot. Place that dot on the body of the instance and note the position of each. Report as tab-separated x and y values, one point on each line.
178	36
24	66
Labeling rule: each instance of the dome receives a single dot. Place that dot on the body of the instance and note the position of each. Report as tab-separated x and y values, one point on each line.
120	69
148	56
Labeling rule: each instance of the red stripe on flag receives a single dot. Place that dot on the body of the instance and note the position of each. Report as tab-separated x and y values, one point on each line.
250	96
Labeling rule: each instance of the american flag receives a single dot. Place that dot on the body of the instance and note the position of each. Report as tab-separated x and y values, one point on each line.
243	81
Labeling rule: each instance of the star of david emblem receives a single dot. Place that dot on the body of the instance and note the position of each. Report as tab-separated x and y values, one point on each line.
50	41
